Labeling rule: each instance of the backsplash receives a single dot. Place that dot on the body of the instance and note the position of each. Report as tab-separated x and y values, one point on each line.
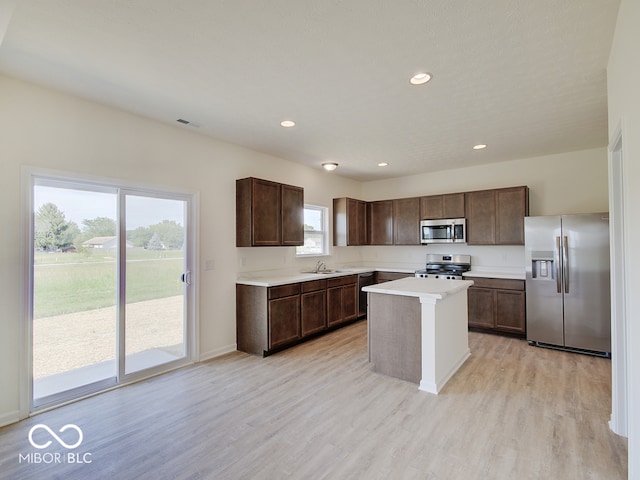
265	260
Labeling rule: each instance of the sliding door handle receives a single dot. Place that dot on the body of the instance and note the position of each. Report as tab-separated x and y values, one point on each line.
186	278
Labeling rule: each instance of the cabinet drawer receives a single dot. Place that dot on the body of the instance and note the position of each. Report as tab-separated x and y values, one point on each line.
314	285
501	283
284	291
339	281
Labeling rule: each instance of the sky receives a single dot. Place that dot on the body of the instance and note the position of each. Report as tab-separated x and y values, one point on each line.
79	205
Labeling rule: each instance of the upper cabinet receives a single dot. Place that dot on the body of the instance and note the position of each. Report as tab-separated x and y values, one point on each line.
349	222
268	213
496	217
380	222
406	217
435	207
292	215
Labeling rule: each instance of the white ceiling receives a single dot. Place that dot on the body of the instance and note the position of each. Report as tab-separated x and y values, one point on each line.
525	77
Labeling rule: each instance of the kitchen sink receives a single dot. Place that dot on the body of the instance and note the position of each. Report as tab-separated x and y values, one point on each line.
326	271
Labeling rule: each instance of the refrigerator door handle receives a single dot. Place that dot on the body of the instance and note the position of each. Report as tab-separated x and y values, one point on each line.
557	262
565	264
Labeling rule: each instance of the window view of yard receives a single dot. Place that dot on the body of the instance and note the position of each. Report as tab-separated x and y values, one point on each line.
75	313
76	286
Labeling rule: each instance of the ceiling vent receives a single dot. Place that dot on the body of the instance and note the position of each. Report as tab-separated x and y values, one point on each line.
187	122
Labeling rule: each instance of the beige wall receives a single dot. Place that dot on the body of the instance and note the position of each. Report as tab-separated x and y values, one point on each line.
574	182
623	79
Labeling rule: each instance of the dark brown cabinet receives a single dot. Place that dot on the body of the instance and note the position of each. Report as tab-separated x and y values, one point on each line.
292	215
313	307
269	319
342	299
284	321
512	205
480	208
380	222
349	222
497	305
436	207
496	217
268	213
406	221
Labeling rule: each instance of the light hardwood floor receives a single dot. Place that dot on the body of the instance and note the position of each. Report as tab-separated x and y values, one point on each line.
318	411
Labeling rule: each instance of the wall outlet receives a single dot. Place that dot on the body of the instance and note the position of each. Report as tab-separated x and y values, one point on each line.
209	265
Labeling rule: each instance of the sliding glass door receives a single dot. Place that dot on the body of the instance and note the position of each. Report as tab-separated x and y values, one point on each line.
156	281
109	283
74	275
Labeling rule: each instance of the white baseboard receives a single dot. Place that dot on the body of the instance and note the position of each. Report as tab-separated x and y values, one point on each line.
9	418
218	352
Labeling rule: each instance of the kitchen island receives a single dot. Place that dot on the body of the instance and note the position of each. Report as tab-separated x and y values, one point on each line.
418	329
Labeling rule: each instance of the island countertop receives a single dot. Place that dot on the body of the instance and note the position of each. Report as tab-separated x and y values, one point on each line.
436	289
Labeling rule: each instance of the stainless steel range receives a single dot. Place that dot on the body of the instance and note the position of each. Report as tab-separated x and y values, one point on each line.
447	267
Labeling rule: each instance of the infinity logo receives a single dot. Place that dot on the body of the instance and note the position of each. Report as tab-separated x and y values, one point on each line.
52	433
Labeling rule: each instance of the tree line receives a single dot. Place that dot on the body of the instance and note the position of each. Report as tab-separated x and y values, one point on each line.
53	232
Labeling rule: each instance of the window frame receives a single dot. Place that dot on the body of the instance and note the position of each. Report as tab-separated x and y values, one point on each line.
324	232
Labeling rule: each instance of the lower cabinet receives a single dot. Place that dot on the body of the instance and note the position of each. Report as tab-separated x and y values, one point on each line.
313	307
342	300
269	319
284	321
497	305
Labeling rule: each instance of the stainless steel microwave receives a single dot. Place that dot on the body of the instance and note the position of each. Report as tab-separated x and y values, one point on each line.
451	230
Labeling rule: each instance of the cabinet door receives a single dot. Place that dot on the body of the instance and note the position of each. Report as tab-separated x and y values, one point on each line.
482	309
284	321
406	221
266	213
380	222
292	215
313	307
334	305
481	217
356	222
453	205
350	302
510	312
431	207
435	207
512	205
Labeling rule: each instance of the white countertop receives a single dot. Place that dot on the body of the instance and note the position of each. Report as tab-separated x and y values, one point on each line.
420	287
496	272
275	279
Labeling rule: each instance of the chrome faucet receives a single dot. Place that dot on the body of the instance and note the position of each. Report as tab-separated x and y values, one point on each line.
320	266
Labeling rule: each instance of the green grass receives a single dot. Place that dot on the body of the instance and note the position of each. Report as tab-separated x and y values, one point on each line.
76	282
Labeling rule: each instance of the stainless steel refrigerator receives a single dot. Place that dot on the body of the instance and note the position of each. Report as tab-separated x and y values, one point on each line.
567	282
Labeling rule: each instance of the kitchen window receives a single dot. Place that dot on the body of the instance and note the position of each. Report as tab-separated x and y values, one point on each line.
316	232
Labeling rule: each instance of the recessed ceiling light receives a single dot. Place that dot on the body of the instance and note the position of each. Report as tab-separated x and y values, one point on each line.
420	78
480	146
383	164
330	166
288	123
